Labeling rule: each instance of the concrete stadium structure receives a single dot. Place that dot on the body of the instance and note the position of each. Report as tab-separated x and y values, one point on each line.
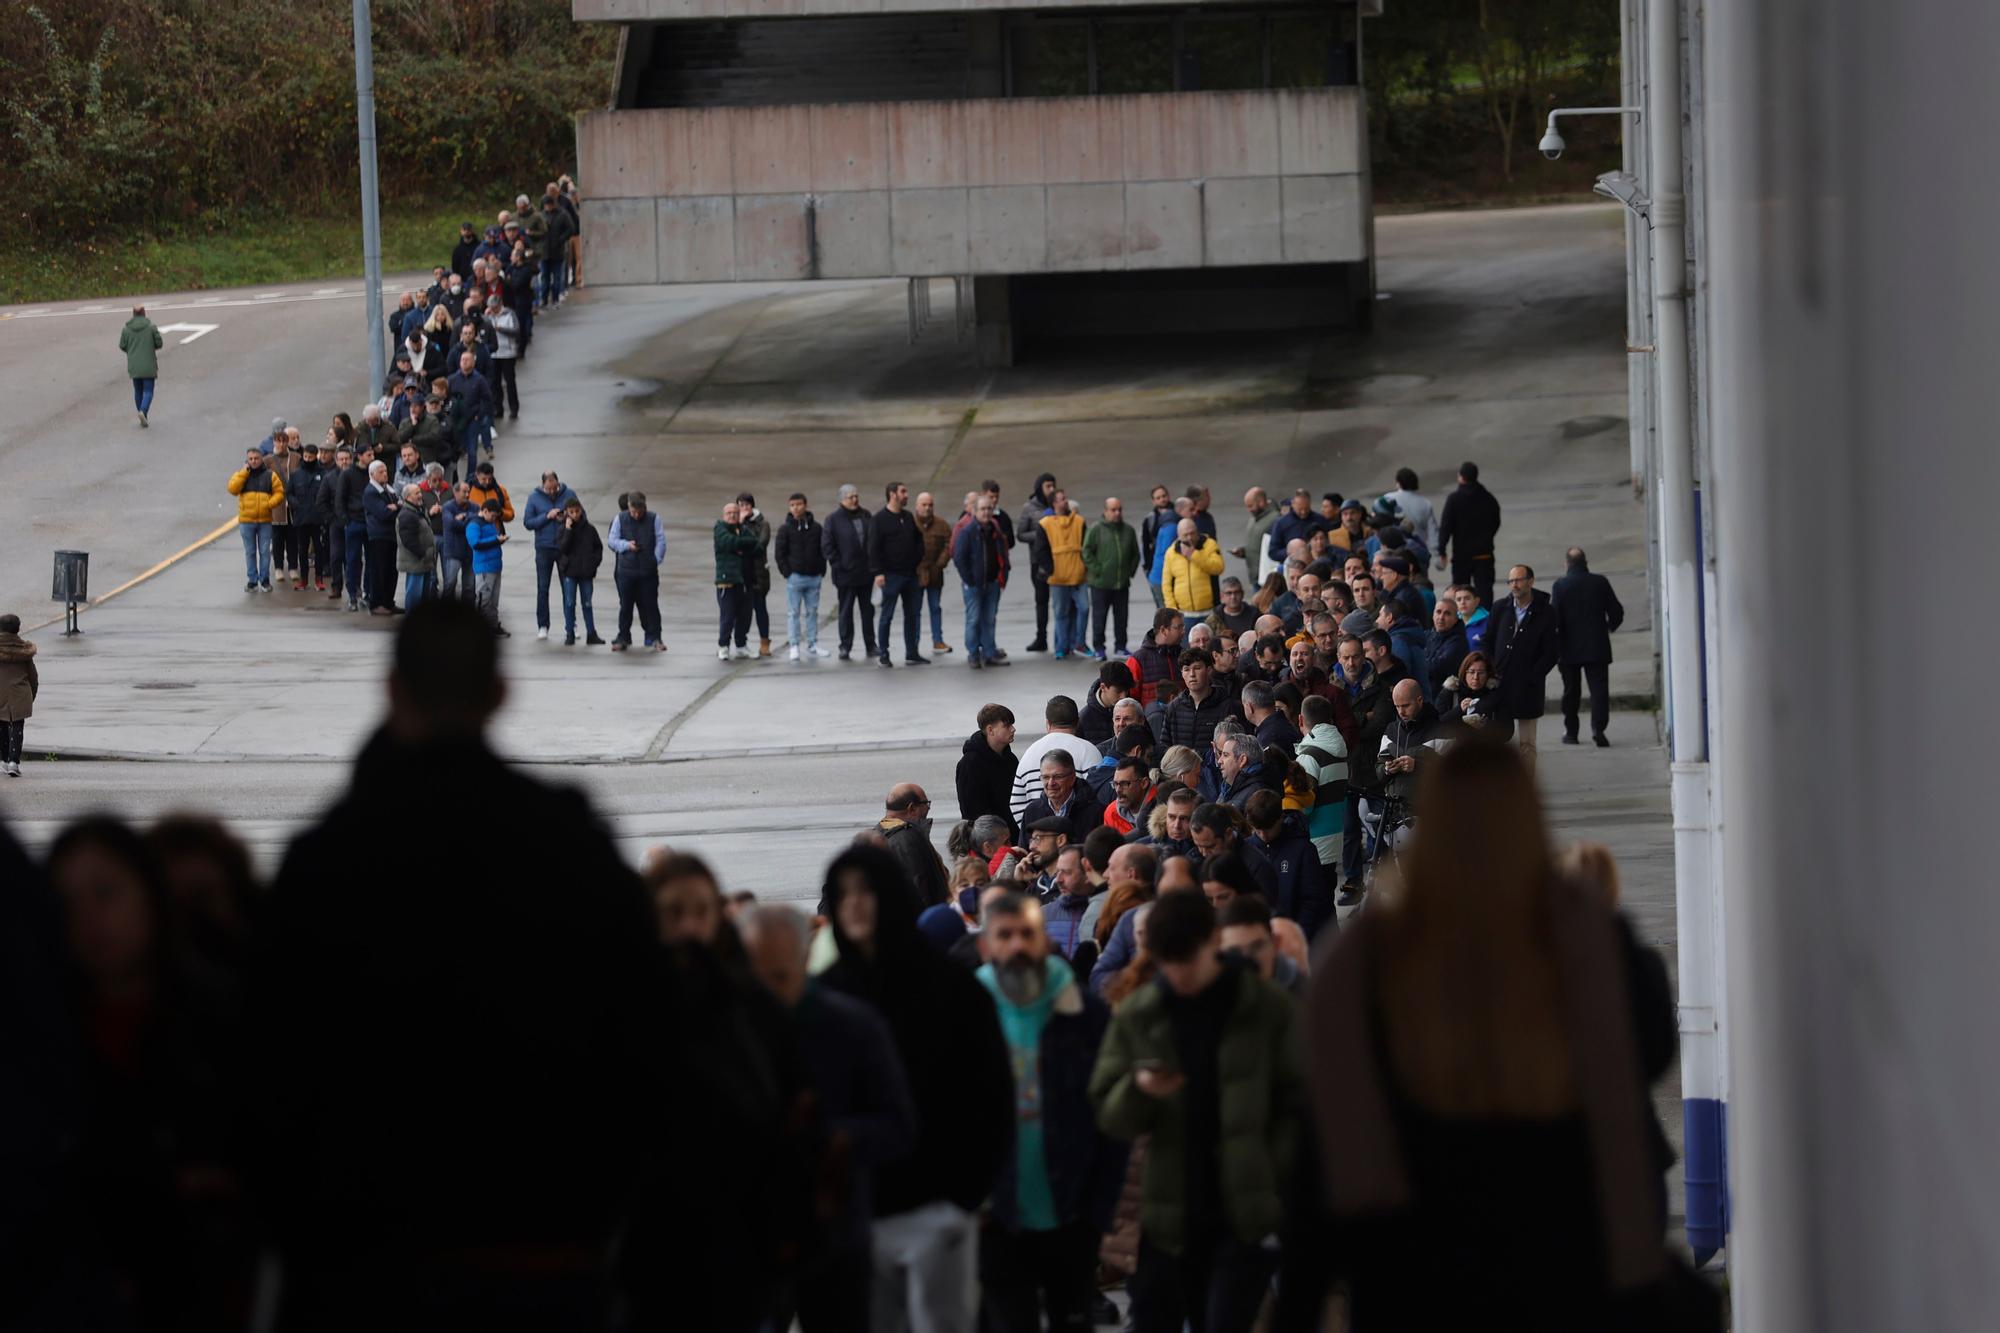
1076	168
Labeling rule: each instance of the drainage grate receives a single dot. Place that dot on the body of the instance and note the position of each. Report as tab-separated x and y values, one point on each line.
164	685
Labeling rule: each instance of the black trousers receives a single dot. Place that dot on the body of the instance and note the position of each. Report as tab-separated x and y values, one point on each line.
1119	603
754	608
1023	1273
1217	1287
312	542
854	600
381	572
506	393
1573	677
1475	573
641	593
11	734
732	613
1041	610
284	546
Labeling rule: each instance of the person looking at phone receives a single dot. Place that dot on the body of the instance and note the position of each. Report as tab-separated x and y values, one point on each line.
1207	1061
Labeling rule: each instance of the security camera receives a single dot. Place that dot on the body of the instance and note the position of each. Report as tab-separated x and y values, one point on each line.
1552	144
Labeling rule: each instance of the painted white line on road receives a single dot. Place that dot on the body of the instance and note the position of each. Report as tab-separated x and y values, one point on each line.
267	296
329	291
92	310
206	300
43	311
206	303
193	331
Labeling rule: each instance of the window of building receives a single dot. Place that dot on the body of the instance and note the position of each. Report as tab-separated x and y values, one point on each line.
1125	52
1051	60
1135	56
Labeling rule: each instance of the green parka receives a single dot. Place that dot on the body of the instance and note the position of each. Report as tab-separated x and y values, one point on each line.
733	546
140	340
1263	1101
1110	555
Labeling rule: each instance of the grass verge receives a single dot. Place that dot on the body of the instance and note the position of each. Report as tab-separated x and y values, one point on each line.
258	251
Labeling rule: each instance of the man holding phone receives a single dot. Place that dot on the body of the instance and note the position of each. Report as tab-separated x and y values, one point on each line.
1208	1063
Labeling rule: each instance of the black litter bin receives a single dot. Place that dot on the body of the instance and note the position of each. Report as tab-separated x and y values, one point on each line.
72	585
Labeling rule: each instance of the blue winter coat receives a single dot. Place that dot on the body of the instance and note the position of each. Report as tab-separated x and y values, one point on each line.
484	538
543	516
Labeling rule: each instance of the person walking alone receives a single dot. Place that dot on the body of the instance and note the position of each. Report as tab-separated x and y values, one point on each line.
579	552
638	541
257	492
140	340
1588	612
802	562
19	684
732	549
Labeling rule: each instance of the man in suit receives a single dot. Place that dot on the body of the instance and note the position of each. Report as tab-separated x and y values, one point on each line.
1525	643
1587	612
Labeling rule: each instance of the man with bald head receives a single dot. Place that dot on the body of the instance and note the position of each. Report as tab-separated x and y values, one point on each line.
1411	741
905	829
935	564
1255	533
1110	559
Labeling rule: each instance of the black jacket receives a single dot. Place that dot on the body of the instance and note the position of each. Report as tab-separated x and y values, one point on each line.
911	846
579	551
1587	612
844	543
1184	722
461	255
344	490
796	547
1472	519
1444	653
376	511
895	543
1086	812
1374	710
1093	722
986	782
307	495
947	1033
384	981
1523	654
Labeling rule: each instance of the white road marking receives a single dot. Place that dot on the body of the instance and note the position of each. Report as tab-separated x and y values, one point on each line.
328	291
267	296
92	310
193	331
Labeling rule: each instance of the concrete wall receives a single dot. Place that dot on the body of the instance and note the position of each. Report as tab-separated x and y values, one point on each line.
1172	180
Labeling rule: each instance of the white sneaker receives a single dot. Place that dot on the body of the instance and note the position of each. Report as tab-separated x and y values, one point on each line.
542	633
818	651
740	652
793	653
722	654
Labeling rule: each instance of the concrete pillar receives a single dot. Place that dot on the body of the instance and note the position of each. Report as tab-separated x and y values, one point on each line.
993	321
1854	283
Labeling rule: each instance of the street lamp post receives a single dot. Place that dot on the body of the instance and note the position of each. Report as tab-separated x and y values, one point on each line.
371	203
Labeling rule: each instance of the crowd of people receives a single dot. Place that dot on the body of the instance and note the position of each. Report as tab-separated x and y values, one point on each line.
379	508
525	1087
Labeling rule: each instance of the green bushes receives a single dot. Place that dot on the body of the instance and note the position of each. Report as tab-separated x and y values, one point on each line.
196	115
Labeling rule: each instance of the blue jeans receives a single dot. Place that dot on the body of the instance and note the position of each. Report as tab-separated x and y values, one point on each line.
802	605
416	587
552	278
574	590
142	394
256	551
982	606
935	596
895	588
1069	617
545	568
455	577
478	435
353	544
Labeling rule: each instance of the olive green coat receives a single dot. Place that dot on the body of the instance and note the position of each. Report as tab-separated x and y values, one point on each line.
140	340
1263	1108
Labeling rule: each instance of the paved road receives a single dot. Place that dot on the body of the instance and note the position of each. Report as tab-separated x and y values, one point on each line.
1501	340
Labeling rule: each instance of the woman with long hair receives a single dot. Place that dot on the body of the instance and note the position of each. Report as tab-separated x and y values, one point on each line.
1470	697
1481	1045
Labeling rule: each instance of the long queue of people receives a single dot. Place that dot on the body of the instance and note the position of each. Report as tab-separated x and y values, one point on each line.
524	1087
383	500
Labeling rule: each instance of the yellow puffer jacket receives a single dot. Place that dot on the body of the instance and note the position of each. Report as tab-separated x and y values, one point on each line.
254	502
1186	585
1065	536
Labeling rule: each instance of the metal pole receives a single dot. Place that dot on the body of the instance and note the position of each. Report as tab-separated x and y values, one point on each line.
1702	1050
371	203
